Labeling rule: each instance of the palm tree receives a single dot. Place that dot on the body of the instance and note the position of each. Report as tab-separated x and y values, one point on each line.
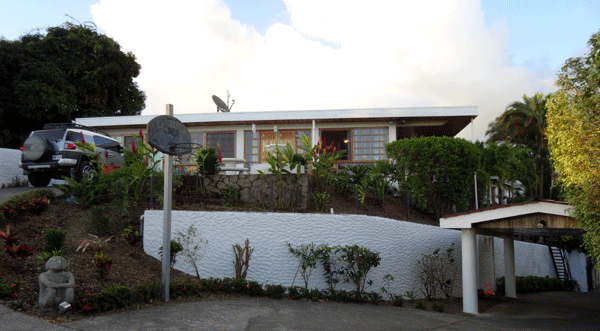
523	124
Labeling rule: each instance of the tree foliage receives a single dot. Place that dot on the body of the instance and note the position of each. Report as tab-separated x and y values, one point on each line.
523	124
574	138
512	165
437	172
70	71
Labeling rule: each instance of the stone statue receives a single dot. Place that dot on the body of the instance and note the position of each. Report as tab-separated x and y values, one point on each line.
56	284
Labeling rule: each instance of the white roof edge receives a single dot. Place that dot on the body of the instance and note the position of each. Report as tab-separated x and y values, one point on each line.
288	115
466	221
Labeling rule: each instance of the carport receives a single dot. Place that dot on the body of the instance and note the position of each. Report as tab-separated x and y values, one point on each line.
535	218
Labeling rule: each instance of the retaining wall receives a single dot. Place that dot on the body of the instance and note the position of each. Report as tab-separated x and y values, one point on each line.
9	167
261	190
400	244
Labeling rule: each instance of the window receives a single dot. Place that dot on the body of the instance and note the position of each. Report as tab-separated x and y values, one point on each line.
225	141
251	141
129	139
369	144
197	139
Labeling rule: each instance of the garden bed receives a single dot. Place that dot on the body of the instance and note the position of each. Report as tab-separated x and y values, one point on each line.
131	266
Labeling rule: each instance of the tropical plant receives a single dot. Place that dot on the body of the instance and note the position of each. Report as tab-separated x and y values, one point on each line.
523	124
574	138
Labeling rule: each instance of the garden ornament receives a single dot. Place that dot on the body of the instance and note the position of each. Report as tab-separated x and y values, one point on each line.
56	284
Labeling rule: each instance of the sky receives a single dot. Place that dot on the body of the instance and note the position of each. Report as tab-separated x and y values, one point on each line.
280	55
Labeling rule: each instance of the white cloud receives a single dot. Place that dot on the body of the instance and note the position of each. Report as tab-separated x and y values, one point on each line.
335	54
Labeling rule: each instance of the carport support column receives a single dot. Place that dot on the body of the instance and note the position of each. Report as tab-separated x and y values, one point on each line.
469	270
510	285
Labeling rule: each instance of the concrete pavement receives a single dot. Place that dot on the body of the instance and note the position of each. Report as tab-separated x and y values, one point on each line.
542	311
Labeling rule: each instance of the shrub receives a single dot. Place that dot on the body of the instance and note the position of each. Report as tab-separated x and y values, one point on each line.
321	201
18	204
436	272
437	172
438	307
242	259
535	284
55	240
103	263
229	194
100	222
176	247
192	246
420	304
358	262
8	291
308	260
274	291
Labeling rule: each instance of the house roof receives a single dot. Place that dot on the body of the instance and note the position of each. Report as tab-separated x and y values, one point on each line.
539	217
460	116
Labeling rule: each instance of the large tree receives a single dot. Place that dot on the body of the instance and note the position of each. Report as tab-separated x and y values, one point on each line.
574	137
523	124
70	71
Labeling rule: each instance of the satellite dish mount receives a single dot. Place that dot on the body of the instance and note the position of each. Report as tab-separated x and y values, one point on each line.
222	106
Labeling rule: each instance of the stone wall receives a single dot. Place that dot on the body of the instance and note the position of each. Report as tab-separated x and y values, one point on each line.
259	190
400	244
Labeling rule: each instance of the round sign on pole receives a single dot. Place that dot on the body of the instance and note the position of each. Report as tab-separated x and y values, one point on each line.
168	135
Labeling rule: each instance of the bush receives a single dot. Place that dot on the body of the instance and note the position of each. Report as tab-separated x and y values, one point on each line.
229	194
437	172
535	284
420	304
274	291
438	307
100	222
55	240
33	201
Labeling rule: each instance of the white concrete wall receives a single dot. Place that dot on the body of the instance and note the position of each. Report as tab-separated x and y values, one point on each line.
9	167
400	244
530	260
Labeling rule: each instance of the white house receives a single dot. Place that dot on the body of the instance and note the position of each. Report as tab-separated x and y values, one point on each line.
247	135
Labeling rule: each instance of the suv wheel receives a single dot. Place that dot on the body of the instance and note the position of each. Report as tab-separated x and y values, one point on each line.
39	179
86	170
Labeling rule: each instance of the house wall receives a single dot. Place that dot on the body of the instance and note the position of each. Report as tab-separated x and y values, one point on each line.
400	244
9	167
239	130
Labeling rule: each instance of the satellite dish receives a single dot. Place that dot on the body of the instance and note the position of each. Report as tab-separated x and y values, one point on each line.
168	135
221	106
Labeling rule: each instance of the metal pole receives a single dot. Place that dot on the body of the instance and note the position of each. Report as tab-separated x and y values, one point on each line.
166	251
476	198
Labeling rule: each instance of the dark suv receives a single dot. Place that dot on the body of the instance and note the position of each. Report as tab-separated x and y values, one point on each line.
52	153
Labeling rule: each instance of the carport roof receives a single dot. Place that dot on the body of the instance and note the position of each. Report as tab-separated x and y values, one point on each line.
534	218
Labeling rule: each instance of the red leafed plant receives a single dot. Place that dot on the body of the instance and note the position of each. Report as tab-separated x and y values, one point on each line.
13	248
21	251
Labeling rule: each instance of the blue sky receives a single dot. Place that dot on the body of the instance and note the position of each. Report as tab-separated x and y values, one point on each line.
341	54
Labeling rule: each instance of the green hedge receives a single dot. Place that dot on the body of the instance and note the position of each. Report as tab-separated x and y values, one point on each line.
535	284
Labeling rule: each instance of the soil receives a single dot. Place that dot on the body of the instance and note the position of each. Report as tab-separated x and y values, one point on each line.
130	264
